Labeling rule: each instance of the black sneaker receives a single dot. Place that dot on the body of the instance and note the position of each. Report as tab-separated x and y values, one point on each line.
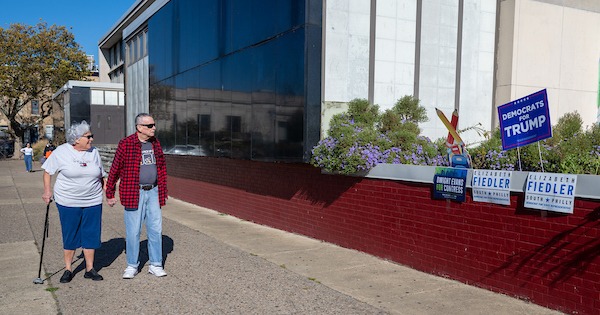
93	274
66	277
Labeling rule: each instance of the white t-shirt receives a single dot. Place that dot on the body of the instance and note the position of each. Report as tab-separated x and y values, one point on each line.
79	181
27	151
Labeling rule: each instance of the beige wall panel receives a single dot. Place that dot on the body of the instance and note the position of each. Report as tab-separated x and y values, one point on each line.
538	44
582	102
505	44
580	50
556	48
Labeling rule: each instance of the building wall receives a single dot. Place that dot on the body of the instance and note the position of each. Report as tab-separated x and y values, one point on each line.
549	259
102	105
550	45
237	51
107	113
395	39
459	62
137	91
78	106
440	51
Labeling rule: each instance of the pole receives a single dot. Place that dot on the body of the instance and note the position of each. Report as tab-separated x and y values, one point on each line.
39	280
540	152
519	156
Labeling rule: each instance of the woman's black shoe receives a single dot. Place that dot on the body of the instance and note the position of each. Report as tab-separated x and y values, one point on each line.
93	274
66	277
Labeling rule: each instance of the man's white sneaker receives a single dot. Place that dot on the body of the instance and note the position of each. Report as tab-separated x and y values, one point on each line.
130	272
157	271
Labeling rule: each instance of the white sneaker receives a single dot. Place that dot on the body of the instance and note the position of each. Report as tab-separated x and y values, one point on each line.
130	272
157	271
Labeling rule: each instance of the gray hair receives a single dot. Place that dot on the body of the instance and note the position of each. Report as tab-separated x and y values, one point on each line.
138	118
76	131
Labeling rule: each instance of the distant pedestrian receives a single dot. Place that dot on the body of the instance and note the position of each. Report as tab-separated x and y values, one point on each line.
78	194
140	164
28	152
47	151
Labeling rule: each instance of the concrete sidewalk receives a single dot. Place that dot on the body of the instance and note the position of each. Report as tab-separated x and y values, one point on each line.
216	264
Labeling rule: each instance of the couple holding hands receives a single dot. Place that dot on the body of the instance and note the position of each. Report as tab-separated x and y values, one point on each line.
81	181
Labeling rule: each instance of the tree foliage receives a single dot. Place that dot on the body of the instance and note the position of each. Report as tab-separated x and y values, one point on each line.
35	61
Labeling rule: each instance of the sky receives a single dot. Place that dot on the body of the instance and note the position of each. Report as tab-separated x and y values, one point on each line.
88	20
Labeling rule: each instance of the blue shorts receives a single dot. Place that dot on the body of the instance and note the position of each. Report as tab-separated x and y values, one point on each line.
80	226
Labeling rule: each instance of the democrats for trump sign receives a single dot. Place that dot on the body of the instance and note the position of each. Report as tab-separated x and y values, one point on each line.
525	121
550	191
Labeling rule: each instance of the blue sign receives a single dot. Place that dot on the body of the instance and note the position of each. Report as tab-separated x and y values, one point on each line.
525	121
449	183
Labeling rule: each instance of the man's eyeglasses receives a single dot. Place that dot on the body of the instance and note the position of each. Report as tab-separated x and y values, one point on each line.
148	125
89	136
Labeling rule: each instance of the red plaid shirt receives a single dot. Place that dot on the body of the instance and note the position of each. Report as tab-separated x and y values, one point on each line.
126	166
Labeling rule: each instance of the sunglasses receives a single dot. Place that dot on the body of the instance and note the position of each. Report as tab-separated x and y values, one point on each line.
89	136
148	125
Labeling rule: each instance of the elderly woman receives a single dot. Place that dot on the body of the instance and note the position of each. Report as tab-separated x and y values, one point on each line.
78	194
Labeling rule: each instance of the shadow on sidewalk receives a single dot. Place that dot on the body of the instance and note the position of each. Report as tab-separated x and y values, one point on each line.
105	255
110	250
167	248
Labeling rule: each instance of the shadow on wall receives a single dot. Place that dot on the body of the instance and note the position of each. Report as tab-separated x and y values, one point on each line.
331	188
568	253
264	178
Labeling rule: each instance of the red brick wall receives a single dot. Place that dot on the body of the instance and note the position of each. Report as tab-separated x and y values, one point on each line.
550	259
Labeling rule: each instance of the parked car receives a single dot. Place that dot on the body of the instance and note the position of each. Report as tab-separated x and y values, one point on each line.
183	149
7	148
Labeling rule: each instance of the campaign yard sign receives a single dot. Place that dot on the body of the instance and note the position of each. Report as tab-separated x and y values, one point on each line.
550	191
449	183
525	121
491	186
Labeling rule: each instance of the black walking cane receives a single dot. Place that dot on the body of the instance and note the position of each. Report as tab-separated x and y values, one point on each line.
39	280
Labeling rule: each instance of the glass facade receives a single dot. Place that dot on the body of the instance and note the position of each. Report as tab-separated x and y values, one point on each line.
230	77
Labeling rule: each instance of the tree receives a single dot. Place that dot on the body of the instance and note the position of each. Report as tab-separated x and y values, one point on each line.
35	61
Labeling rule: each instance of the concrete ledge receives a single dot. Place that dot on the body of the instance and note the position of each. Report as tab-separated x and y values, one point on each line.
586	184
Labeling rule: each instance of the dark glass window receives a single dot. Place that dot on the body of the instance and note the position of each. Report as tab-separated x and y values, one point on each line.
161	35
204	123
229	77
35	107
234	123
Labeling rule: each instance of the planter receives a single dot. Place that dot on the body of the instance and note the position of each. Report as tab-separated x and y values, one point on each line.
587	185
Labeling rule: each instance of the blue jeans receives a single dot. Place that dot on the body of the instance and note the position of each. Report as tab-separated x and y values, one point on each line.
28	162
149	211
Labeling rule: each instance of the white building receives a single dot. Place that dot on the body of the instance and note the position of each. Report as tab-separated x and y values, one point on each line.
469	55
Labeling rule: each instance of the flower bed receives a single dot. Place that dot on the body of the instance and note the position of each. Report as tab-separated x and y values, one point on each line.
363	137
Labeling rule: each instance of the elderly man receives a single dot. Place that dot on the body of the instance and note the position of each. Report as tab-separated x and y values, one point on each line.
140	164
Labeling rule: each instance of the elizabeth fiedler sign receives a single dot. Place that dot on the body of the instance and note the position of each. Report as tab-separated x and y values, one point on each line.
550	191
525	121
491	186
449	183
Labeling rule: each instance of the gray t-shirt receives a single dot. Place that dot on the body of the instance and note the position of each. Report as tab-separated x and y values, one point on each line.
148	166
